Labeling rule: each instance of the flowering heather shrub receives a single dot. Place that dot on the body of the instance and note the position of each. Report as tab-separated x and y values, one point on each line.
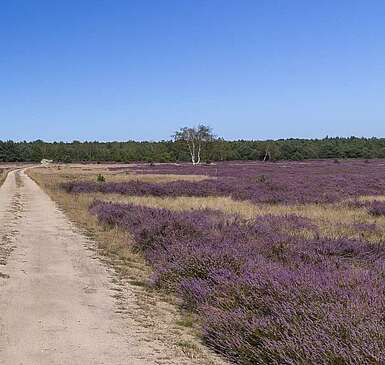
375	207
250	169
290	183
140	188
265	296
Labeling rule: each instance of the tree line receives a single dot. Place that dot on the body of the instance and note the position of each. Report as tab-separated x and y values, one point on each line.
215	149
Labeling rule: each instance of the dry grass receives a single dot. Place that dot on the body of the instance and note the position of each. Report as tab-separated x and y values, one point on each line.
3	175
368	198
70	173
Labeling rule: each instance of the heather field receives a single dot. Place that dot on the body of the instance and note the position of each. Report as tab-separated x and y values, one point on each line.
283	183
277	263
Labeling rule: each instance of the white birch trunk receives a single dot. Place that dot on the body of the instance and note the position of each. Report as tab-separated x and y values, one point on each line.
199	153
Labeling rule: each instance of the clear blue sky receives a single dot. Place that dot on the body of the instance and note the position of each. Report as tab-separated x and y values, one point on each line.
137	69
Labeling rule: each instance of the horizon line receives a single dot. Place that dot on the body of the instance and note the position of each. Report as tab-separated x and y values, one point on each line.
51	141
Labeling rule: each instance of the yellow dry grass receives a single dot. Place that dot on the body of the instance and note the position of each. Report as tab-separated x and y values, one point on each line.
3	174
370	198
69	173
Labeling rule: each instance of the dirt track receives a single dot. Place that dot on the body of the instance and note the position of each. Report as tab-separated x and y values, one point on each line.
56	298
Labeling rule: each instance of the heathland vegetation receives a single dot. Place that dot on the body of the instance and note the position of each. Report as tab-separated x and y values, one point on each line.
271	263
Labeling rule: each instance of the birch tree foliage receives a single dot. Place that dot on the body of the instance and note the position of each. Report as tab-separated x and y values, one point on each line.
195	138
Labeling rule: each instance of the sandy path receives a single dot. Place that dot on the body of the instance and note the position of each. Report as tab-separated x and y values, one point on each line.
56	304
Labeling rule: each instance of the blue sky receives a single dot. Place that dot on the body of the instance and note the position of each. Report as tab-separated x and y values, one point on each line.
139	69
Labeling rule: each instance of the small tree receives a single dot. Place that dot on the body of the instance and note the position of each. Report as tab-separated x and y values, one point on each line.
196	138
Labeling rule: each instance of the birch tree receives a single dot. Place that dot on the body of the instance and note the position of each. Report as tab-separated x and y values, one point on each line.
195	138
271	152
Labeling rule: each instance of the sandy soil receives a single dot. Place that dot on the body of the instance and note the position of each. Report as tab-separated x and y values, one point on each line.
57	301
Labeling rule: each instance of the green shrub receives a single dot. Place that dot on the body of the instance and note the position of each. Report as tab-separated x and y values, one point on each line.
100	178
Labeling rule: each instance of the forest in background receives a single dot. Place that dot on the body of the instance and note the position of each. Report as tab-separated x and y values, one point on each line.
172	151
